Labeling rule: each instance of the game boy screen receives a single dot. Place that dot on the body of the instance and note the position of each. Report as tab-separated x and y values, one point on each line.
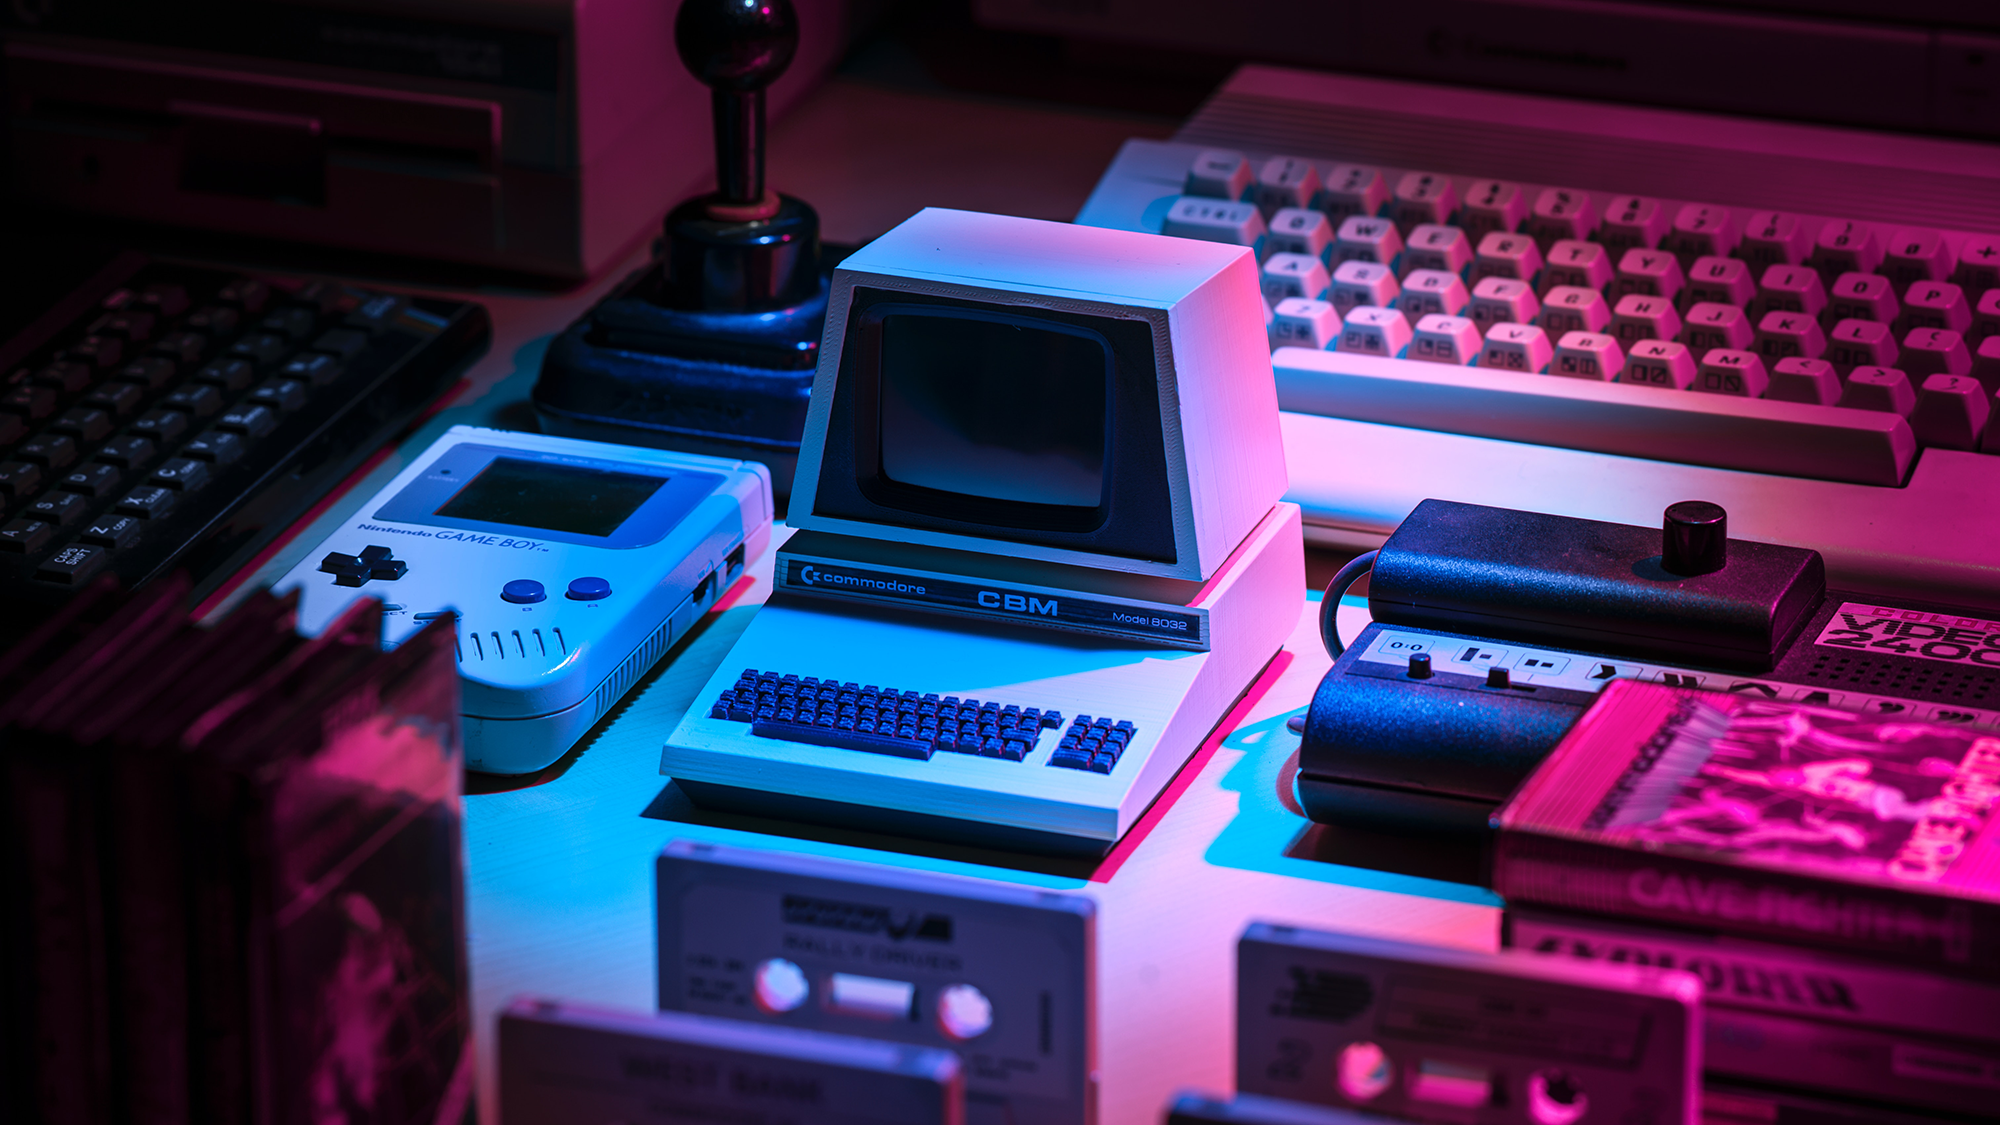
577	499
996	408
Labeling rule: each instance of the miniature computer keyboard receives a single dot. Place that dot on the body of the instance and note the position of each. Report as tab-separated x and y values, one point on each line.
909	724
176	417
1597	311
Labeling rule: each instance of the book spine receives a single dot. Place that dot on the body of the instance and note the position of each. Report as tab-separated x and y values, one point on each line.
1893	1067
1955	936
219	1042
149	960
66	1011
1781	980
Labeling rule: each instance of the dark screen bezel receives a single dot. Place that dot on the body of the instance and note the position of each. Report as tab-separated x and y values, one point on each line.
1134	517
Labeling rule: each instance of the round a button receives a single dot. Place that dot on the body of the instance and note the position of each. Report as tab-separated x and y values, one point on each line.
589	589
523	590
964	1012
780	985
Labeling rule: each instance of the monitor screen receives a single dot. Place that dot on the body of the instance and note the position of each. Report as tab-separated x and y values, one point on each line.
994	408
572	498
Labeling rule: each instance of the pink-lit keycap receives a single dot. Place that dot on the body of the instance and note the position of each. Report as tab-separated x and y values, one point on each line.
1367	240
1727	371
1842	247
1934	351
1351	189
1660	363
1709	325
1422	197
1951	411
1638	317
1502	300
1432	246
1986	315
1724	281
1879	388
1297	322
1517	347
1571	308
1861	343
1700	230
1445	339
1915	254
1978	264
1862	296
1586	265
1782	334
1560	213
1362	284
1774	238
1936	304
1492	205
1587	355
1501	254
1284	181
1374	331
1218	174
1299	230
1632	221
1433	291
1214	220
1790	289
1655	273
1986	364
1798	379
1294	275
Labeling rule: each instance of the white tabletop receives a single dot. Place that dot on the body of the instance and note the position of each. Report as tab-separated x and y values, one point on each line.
560	901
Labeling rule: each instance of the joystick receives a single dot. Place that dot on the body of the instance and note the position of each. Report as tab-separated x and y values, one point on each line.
743	247
711	348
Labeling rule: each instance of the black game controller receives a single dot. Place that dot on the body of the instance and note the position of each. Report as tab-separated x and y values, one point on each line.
710	349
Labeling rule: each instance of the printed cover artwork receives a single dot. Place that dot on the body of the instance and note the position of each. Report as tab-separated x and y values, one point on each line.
1807	788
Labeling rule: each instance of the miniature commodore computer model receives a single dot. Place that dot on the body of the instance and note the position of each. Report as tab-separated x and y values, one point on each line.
1041	549
570	567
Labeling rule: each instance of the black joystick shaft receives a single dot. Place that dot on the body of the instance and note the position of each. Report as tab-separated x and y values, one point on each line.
737	48
742	248
1695	538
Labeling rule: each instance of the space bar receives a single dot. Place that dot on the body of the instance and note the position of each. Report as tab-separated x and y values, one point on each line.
1756	435
846	739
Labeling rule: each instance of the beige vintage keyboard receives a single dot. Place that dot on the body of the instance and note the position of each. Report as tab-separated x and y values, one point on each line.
1598	311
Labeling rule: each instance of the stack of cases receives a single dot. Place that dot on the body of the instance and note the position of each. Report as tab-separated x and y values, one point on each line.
1832	878
233	859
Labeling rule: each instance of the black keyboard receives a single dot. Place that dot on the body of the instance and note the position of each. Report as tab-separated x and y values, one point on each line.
170	417
910	724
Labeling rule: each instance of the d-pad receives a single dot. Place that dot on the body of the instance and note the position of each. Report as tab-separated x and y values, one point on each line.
373	562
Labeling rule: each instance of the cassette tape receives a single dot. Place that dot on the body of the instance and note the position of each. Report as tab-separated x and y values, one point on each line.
1418	1032
1190	1108
562	1063
1002	975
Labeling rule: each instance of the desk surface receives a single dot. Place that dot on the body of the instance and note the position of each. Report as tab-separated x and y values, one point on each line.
558	875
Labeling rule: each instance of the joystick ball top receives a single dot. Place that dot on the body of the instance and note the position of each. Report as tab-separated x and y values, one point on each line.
736	45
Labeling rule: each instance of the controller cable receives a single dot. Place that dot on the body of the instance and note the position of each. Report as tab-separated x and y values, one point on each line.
1329	602
1329	607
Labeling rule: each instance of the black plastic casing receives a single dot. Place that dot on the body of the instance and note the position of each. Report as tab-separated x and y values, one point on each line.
1590	585
1439	754
637	371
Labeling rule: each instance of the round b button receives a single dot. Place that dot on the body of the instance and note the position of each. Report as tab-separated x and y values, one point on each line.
589	589
523	591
